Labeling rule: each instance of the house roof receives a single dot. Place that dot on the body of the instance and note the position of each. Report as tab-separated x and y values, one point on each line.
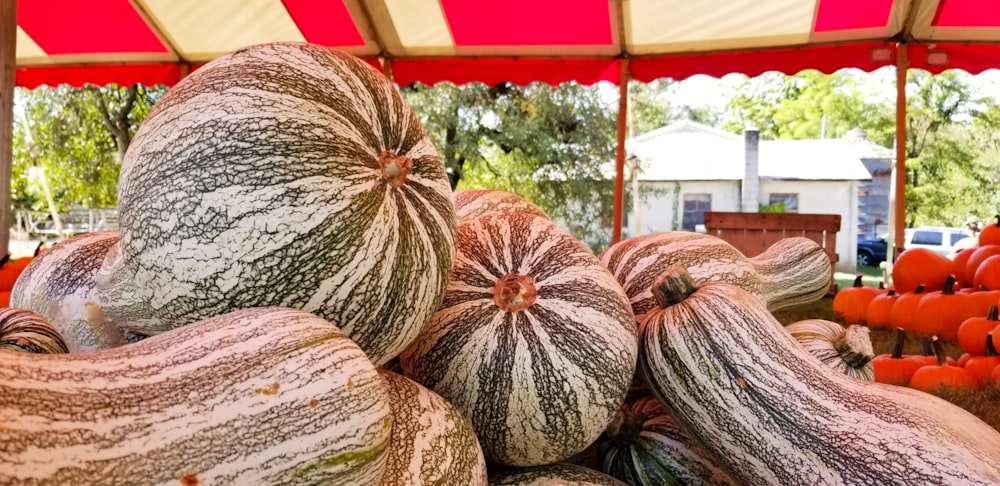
689	151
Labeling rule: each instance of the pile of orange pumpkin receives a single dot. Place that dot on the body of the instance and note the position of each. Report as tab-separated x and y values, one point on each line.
936	297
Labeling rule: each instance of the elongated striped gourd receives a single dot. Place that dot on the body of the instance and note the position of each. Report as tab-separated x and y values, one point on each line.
553	474
535	341
773	414
258	396
432	442
23	330
283	174
644	445
473	203
59	286
847	350
790	272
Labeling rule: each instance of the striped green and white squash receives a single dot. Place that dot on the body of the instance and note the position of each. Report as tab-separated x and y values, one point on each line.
23	330
59	285
535	341
257	396
432	442
771	413
847	350
283	174
644	445
552	475
473	203
793	271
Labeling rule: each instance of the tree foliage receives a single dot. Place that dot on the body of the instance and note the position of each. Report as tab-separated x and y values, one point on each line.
74	138
551	145
951	146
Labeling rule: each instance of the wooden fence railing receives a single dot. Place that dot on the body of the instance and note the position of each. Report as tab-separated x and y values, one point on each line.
752	233
40	224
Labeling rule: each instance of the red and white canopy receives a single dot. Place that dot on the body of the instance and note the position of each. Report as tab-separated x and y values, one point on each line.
158	41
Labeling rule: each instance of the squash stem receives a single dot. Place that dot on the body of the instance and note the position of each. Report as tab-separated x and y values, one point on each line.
624	428
897	347
991	350
673	286
992	314
939	351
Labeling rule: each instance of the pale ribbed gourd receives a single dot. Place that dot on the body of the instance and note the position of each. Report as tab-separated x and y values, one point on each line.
473	203
257	396
60	286
23	330
771	413
645	446
432	442
283	174
847	350
793	271
535	341
560	474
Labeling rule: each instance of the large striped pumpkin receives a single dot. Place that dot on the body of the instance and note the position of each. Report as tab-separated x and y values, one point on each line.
258	396
432	442
473	203
283	174
792	271
535	341
59	286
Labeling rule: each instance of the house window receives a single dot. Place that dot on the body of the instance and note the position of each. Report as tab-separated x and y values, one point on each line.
695	206
790	202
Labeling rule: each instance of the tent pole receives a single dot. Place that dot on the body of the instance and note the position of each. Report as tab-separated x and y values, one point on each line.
616	220
899	210
8	61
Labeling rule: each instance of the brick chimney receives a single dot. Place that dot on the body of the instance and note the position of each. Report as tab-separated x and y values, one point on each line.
750	190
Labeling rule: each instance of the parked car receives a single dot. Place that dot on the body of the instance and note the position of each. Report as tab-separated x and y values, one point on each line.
941	240
944	241
872	252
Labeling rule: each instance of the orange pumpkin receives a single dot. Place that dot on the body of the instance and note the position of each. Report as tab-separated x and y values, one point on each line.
958	266
982	366
894	368
937	377
917	266
973	332
988	273
905	307
990	235
941	312
877	314
976	258
851	303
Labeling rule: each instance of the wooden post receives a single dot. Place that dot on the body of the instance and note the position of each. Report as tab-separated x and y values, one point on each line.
899	211
616	220
8	61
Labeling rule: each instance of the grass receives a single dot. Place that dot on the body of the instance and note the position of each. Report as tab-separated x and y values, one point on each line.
870	276
984	402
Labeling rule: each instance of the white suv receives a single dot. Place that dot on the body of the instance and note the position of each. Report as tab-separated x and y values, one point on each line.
944	241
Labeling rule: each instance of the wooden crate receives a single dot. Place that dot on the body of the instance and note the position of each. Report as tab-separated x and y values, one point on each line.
752	233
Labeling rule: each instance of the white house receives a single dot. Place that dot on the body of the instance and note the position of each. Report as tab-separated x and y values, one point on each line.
688	168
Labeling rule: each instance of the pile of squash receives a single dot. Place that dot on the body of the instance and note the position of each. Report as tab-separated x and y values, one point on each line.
934	297
296	296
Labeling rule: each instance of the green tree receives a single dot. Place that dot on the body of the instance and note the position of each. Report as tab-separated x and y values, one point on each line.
551	145
72	140
810	105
